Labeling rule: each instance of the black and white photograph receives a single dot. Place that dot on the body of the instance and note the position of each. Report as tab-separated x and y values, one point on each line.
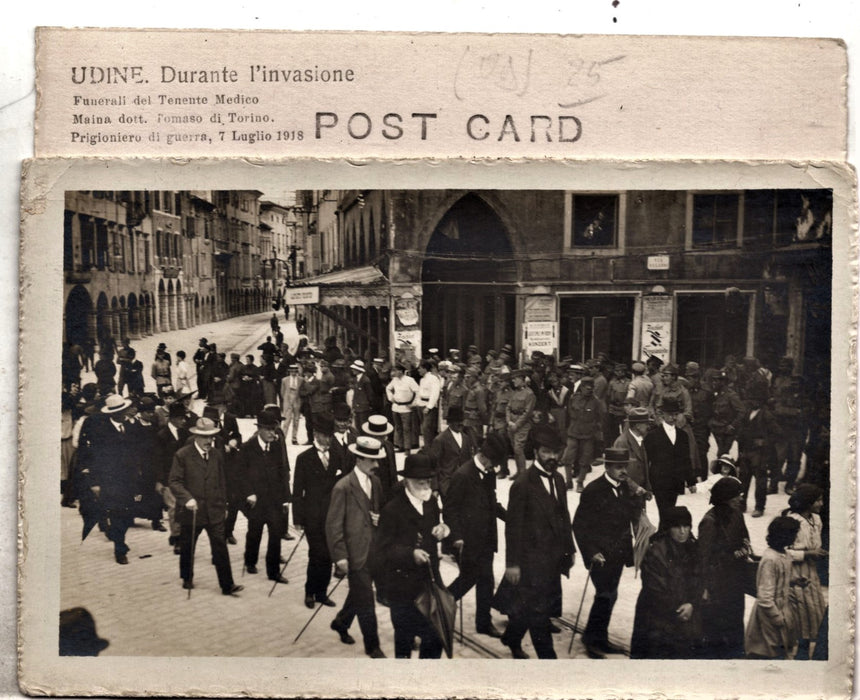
587	421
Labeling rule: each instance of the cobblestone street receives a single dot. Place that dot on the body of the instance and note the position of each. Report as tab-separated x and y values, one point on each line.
143	610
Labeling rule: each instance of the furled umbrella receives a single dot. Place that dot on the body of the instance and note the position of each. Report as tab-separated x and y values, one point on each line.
437	604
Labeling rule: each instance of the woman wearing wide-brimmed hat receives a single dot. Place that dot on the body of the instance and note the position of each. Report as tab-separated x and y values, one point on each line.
724	544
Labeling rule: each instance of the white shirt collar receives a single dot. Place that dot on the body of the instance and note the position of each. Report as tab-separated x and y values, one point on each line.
199	451
417	503
615	484
480	466
263	444
363	480
637	438
671	431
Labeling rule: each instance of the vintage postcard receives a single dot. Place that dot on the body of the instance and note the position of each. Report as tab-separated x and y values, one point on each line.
540	266
481	350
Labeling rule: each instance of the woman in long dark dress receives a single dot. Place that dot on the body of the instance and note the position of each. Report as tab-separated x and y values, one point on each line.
724	547
667	624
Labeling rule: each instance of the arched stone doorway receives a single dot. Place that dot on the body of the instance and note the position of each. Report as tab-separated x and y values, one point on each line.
468	279
80	322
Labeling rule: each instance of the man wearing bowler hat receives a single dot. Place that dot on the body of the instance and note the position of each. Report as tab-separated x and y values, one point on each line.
471	510
539	546
314	478
197	481
603	525
449	449
633	440
409	533
265	480
350	530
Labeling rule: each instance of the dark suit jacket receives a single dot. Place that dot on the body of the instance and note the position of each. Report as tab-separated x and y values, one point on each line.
447	456
402	529
340	457
637	468
166	447
537	531
471	510
115	462
602	522
192	477
349	529
670	465
387	471
312	485
265	475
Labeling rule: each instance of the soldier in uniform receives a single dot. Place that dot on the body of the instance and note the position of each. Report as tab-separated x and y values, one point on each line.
499	415
728	411
701	400
616	398
789	411
521	404
475	407
585	415
640	388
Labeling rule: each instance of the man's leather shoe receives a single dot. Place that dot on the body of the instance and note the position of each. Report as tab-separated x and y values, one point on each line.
579	487
177	549
187	584
159	527
233	590
345	636
309	602
610	648
516	651
554	628
491	631
757	513
121	559
376	653
594	652
328	602
278	579
251	569
231	540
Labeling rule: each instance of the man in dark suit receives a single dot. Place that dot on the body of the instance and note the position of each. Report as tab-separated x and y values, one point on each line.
449	449
471	510
168	440
341	458
603	527
539	546
197	481
350	529
364	399
265	486
668	450
229	441
313	481
377	426
114	469
407	544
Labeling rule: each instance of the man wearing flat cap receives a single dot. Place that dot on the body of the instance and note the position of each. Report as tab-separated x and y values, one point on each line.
265	486
640	388
539	546
350	530
198	483
408	538
603	525
471	510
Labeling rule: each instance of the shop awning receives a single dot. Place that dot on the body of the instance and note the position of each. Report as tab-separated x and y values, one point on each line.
363	286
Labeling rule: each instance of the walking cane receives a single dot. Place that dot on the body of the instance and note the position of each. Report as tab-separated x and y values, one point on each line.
284	567
328	595
579	612
193	547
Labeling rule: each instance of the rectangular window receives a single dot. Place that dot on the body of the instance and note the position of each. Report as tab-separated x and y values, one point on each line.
783	217
594	220
715	220
190	222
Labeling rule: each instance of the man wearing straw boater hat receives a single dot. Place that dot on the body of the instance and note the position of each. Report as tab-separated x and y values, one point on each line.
602	526
197	481
363	397
265	477
350	529
114	468
409	534
377	426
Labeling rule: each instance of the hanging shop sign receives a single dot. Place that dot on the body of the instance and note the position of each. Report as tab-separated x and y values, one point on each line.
302	295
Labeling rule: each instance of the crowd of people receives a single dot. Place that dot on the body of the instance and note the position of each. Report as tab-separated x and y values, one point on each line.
459	421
